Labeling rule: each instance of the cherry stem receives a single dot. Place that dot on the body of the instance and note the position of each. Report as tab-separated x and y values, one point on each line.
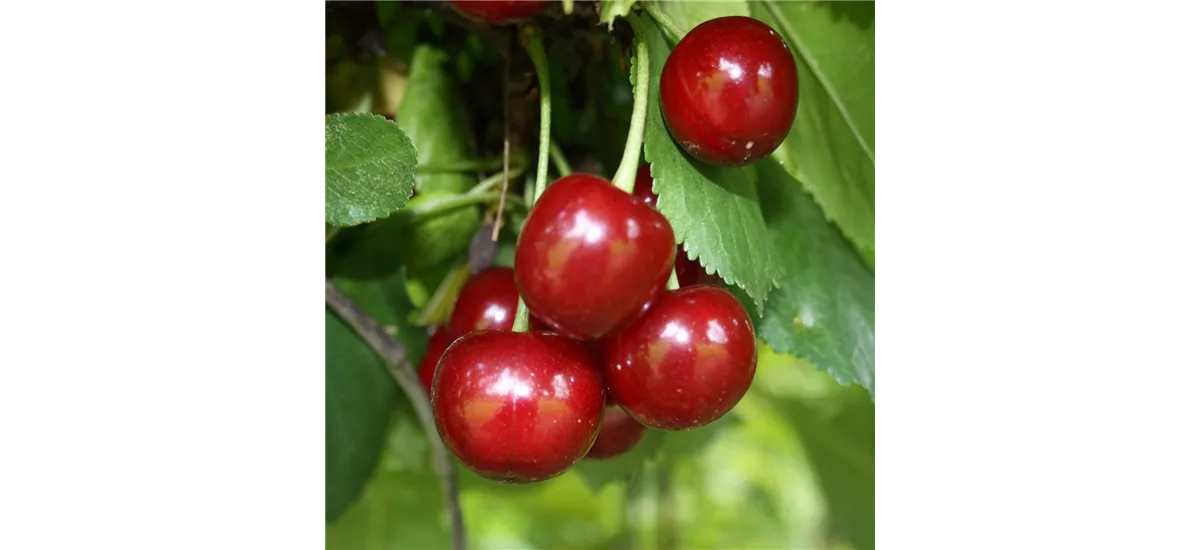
533	46
437	208
441	304
568	6
560	161
664	21
471	165
673	282
491	182
405	375
626	175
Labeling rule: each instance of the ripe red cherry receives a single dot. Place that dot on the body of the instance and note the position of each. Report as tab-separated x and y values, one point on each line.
499	11
487	302
438	342
518	407
729	91
686	362
687	271
619	434
591	258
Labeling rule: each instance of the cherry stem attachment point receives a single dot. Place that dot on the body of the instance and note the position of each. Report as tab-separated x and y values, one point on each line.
626	175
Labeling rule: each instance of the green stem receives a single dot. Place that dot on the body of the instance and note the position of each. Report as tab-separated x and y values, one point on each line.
437	208
568	6
673	282
494	180
627	171
442	302
470	165
533	46
560	161
664	21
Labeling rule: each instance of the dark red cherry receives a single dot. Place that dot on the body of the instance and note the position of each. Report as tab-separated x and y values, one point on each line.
591	258
643	187
687	271
495	12
438	342
729	91
487	302
686	362
619	434
518	407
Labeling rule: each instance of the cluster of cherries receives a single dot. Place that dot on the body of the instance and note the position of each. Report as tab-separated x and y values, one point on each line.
610	351
728	90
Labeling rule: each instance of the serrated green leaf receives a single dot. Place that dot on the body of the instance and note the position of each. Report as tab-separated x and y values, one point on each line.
831	146
358	399
824	310
686	15
369	168
714	211
599	473
610	10
431	113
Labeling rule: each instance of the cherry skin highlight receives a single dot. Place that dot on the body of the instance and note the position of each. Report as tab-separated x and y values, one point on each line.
687	271
619	433
438	342
729	91
518	407
487	302
591	258
686	362
499	11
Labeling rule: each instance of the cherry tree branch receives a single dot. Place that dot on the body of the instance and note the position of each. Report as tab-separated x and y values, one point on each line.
402	371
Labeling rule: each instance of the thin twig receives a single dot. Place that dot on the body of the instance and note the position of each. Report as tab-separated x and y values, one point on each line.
504	184
406	377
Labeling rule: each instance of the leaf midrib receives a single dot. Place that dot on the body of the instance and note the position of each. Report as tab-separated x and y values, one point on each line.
805	56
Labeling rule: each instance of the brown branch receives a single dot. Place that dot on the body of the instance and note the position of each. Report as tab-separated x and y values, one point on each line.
401	370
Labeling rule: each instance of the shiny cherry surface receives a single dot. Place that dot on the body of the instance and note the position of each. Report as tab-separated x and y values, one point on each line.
518	407
502	11
687	271
729	91
487	302
686	362
438	342
619	434
591	258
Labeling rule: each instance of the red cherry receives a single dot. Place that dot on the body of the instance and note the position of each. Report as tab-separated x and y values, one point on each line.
643	187
729	91
591	258
518	407
488	302
687	271
619	434
686	362
438	342
499	11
